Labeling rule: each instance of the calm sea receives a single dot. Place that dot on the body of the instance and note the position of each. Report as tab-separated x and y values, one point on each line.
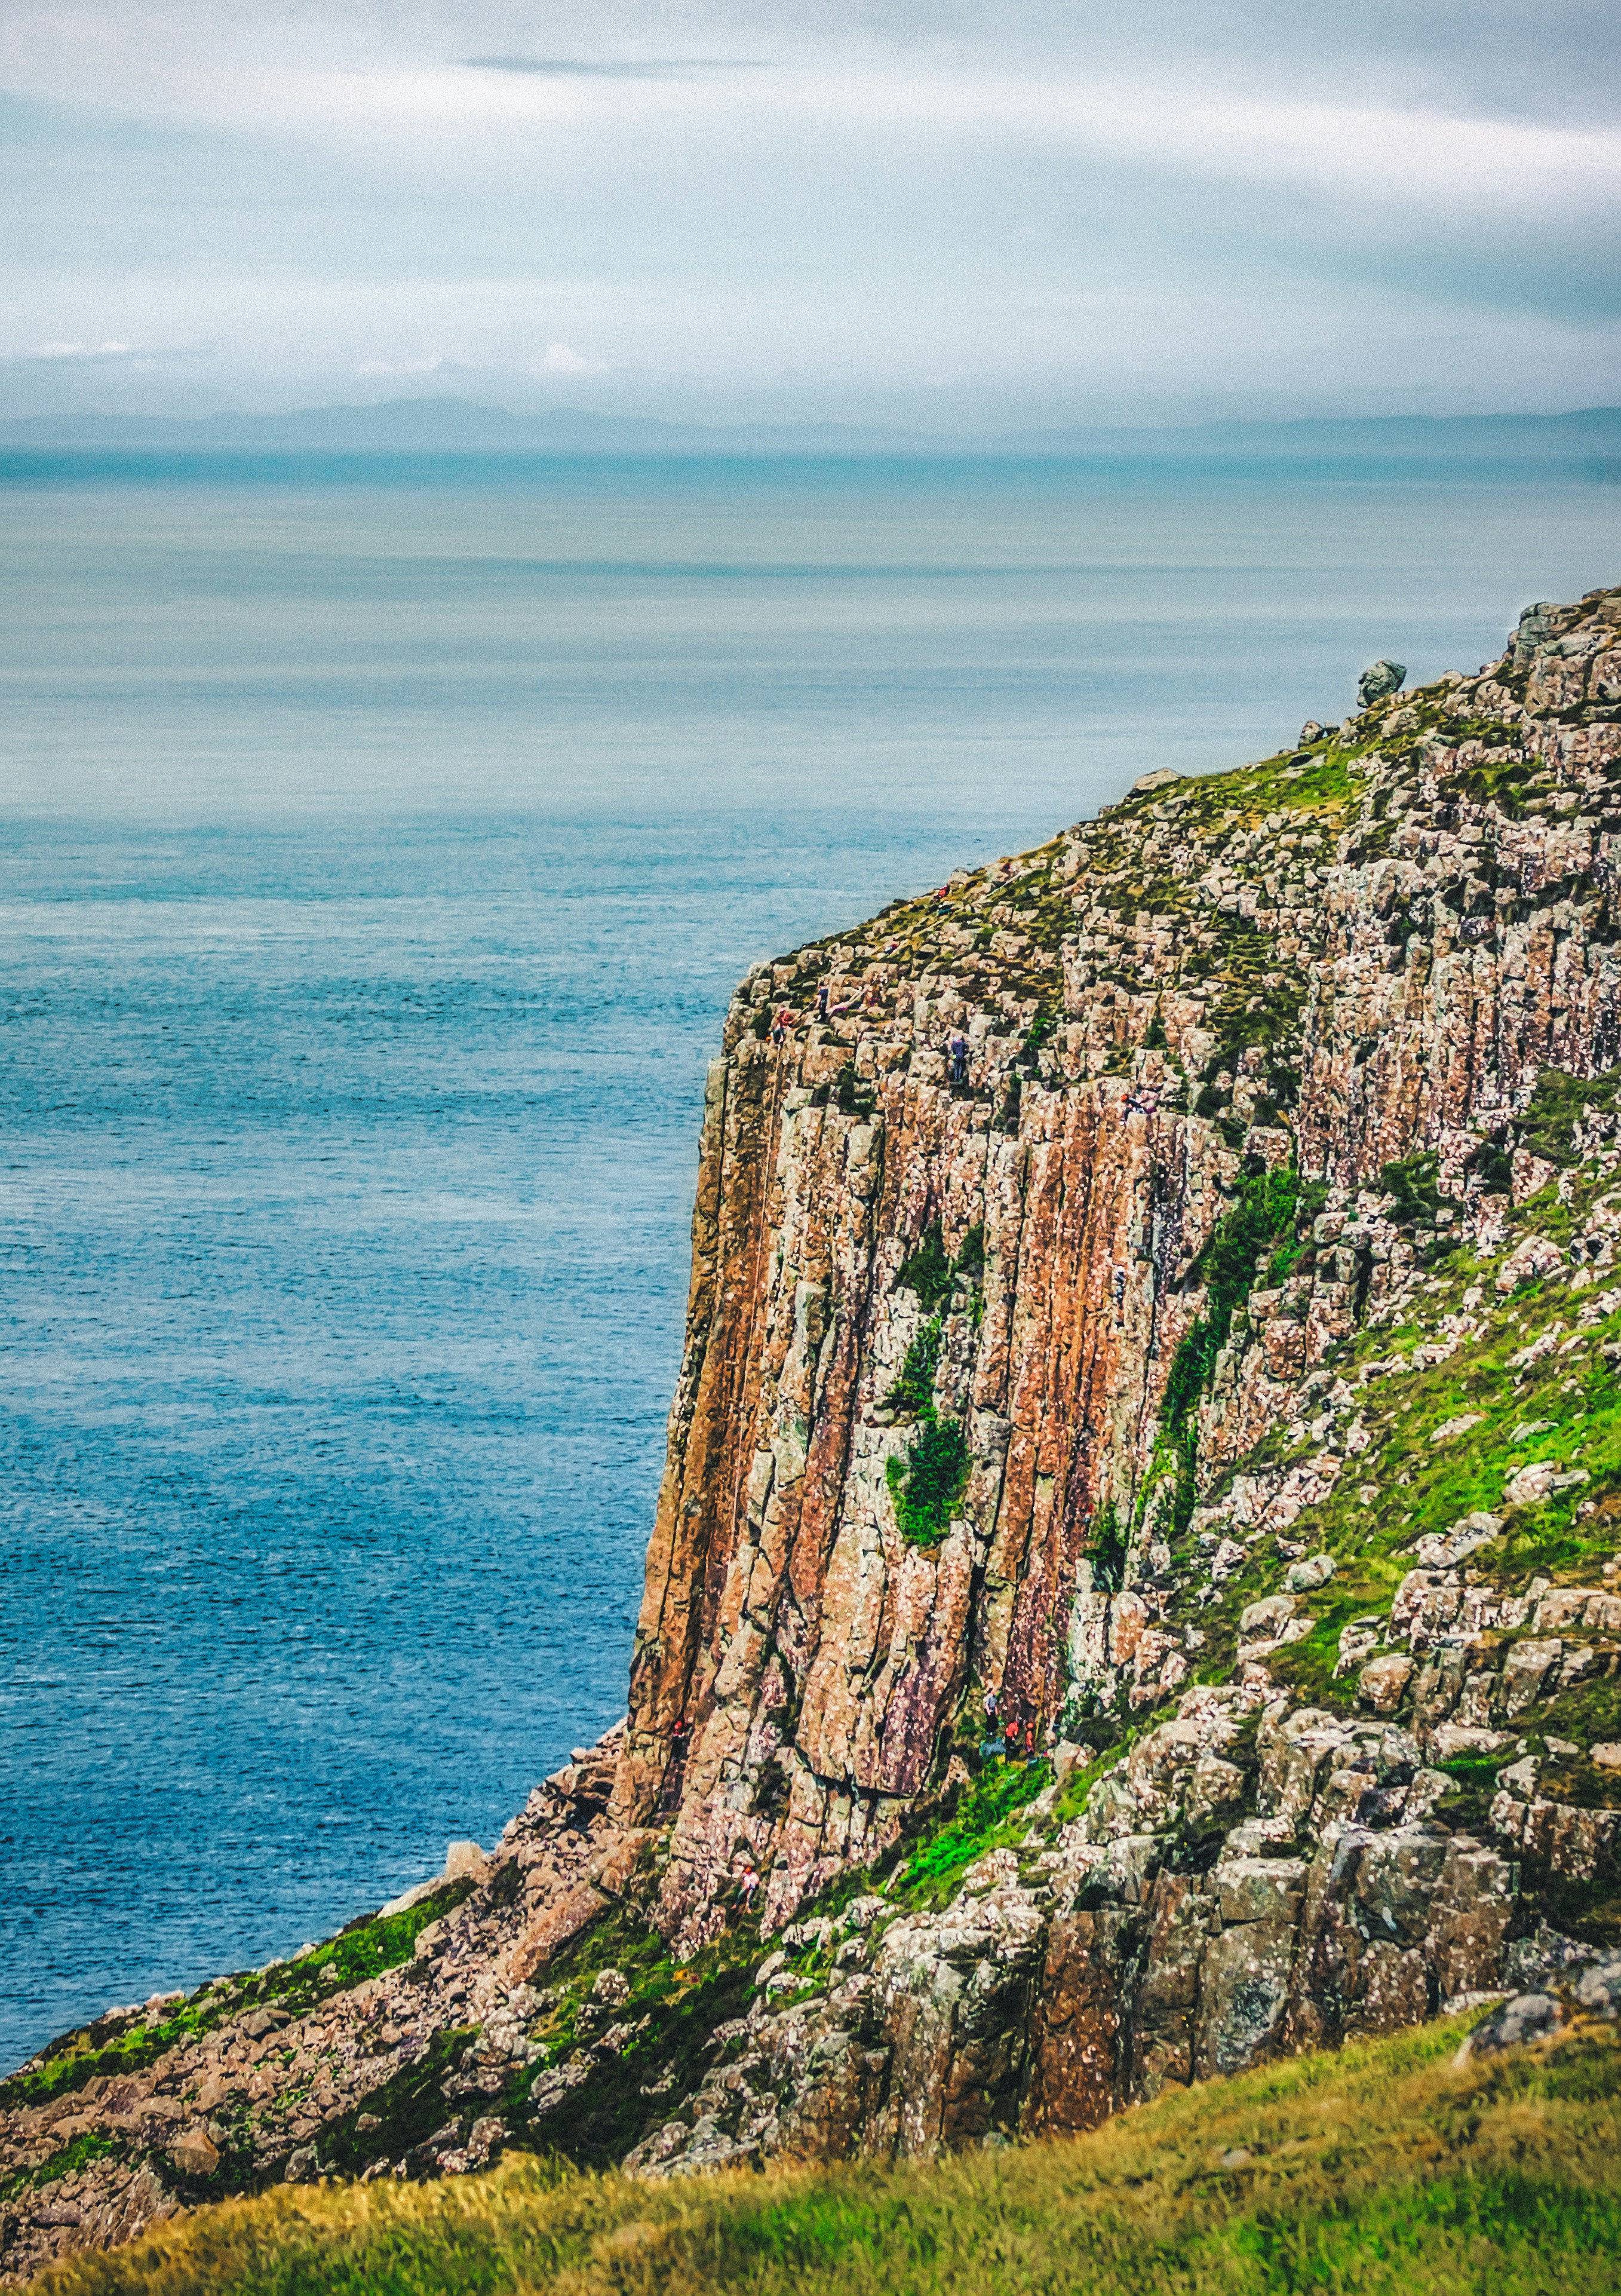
379	847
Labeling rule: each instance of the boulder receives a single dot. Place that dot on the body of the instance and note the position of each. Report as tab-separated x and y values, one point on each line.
1528	1263
194	2153
1383	1682
1526	2017
1532	1486
1536	625
1378	681
1264	1620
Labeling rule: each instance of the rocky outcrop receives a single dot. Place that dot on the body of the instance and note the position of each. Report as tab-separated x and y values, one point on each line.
1360	952
1134	1946
1154	1315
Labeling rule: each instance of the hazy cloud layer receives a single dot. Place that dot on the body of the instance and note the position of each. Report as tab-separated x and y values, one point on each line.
895	211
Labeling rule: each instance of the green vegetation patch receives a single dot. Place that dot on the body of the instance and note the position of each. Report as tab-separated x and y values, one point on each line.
932	1274
1548	1125
913	1390
411	2106
1265	1215
672	2010
1563	1406
987	1817
1377	2171
1414	1187
117	2046
927	1486
1107	1550
79	2153
927	1271
1505	781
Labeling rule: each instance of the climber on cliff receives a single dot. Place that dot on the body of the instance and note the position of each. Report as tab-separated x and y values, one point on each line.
781	1025
959	1058
1011	1736
748	1884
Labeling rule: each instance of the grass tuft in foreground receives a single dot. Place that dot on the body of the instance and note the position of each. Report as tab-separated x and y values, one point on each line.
1377	2169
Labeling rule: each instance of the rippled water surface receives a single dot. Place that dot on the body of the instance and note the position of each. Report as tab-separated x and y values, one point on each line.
379	852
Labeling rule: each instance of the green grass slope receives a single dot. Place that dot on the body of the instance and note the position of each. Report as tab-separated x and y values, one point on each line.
1382	2168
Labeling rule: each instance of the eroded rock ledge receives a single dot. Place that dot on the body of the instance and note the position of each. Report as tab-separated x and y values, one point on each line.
1211	1354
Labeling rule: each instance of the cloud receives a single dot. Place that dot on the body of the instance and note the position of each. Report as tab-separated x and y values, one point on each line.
1071	212
559	359
107	350
645	67
431	364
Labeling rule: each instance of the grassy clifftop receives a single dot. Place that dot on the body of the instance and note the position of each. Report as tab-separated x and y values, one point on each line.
1381	2168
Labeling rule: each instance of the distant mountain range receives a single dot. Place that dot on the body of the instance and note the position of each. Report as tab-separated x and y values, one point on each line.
1587	443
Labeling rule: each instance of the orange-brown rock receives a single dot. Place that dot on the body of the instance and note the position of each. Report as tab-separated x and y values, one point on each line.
1064	1062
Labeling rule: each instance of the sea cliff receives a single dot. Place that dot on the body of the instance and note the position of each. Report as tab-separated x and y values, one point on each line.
1163	1287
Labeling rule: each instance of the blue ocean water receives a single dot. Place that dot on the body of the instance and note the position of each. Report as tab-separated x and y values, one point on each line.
379	849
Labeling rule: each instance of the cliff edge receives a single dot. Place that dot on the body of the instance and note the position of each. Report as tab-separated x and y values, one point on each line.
1154	1310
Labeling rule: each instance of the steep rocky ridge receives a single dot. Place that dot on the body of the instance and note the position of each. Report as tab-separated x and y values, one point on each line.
1363	949
1214	1359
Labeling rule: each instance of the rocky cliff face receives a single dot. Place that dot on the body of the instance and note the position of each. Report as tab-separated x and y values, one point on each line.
1361	950
1164	1285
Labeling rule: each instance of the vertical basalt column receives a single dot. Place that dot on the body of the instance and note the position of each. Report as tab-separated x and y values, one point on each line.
700	1495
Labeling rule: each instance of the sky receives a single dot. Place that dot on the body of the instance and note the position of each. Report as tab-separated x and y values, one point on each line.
962	217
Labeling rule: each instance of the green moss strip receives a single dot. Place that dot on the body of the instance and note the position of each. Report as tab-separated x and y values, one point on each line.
365	1949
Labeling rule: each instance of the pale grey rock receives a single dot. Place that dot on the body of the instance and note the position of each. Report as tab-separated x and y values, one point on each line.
1526	2017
